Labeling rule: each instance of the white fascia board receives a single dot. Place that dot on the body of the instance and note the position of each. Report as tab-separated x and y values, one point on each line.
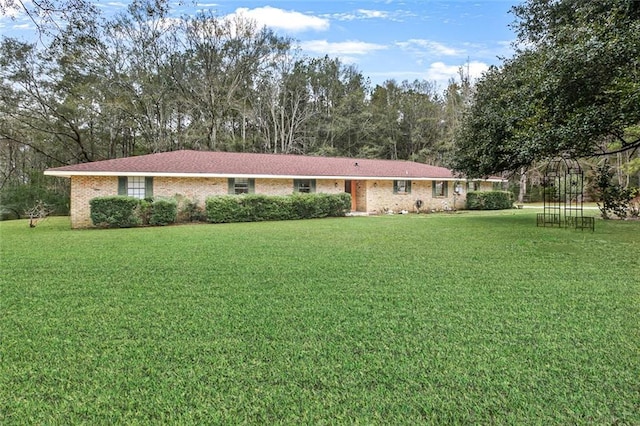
69	174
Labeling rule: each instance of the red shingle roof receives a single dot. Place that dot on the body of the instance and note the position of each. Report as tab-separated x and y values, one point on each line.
230	164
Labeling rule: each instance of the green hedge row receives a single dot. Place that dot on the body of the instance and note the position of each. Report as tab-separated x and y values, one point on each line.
489	200
115	212
164	211
124	212
254	208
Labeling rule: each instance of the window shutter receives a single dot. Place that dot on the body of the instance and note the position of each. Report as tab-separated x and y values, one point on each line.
122	185
433	189
445	188
408	187
395	186
231	186
252	186
312	185
296	185
148	187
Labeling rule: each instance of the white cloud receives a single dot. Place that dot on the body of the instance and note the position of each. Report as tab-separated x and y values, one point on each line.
397	15
26	26
497	49
366	13
429	47
442	73
340	48
282	19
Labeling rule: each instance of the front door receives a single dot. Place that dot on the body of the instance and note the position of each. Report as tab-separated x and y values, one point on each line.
350	187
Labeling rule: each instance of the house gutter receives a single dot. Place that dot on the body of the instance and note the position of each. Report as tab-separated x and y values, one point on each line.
69	174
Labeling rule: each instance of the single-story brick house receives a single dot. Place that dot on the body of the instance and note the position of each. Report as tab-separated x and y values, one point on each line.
376	186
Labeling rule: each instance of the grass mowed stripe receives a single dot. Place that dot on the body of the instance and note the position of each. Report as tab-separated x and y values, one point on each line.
438	318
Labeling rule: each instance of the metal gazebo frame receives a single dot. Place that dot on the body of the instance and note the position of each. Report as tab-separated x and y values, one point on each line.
563	196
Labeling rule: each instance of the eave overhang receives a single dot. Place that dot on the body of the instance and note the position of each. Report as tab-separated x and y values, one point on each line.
69	174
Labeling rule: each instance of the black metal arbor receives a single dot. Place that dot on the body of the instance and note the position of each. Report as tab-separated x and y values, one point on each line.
563	189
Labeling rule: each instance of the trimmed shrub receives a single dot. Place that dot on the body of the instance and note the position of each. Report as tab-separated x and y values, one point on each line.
115	211
144	210
305	206
339	205
264	207
190	211
163	211
223	209
255	208
489	200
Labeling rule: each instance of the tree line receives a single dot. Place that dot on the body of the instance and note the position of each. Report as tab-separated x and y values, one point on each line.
93	87
143	82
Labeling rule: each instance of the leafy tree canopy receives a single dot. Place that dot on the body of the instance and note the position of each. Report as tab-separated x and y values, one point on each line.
572	88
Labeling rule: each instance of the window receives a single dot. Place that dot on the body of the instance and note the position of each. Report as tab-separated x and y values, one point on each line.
304	185
135	186
402	187
241	186
440	188
497	186
473	186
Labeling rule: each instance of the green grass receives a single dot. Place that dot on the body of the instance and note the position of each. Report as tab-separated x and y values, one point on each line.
468	318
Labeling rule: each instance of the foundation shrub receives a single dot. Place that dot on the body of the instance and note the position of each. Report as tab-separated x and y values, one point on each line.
222	209
304	206
256	208
190	211
264	207
339	205
489	200
115	212
164	211
320	205
144	210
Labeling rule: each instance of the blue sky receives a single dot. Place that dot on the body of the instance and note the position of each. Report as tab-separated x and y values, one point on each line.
386	39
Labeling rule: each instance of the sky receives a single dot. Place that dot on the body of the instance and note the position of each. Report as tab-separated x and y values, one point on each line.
384	39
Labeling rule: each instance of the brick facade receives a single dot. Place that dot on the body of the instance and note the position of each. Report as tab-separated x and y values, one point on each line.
83	190
377	197
372	196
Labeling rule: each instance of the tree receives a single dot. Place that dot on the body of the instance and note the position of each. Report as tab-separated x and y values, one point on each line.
50	16
42	105
225	58
282	107
573	88
614	198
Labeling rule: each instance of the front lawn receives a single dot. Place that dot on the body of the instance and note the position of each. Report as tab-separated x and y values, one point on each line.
468	318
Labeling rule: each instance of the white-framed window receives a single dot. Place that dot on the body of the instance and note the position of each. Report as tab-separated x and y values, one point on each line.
140	187
241	186
440	188
473	186
304	185
136	187
402	187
